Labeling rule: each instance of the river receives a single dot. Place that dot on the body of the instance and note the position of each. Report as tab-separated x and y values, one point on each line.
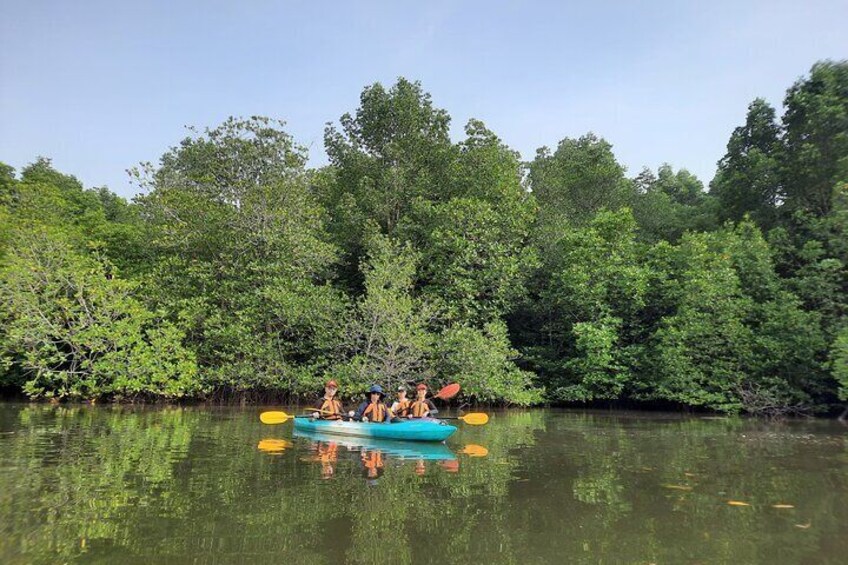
122	484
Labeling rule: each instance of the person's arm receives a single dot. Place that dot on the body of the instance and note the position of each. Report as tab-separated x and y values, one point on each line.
358	414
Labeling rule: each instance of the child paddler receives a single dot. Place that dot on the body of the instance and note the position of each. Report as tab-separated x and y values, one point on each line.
373	409
400	407
422	407
330	407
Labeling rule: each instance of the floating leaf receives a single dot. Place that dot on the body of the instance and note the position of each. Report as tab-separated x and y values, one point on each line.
782	506
678	487
737	503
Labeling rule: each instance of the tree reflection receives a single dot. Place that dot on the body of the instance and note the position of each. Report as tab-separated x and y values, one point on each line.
115	484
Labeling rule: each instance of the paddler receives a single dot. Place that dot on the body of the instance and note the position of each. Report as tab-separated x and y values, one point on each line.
422	407
400	407
330	407
373	409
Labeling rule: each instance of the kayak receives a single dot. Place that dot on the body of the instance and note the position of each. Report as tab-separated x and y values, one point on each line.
425	429
429	451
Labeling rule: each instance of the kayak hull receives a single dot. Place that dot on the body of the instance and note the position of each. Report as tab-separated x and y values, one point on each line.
426	429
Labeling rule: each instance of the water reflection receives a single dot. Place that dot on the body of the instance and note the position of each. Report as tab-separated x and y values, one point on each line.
274	446
374	455
201	485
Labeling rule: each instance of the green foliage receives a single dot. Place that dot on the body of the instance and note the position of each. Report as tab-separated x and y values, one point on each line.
474	256
700	351
815	126
839	363
576	181
577	338
388	340
242	260
481	361
76	331
394	150
748	179
7	184
668	203
410	257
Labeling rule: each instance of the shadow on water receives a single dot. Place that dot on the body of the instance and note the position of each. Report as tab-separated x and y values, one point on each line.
193	484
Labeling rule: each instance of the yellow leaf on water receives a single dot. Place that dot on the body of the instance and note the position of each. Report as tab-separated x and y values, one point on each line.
804	526
737	503
782	506
678	487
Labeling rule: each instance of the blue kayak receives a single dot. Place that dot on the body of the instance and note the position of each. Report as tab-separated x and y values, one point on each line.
425	429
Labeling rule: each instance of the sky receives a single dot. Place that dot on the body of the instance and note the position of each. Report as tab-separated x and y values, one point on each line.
98	86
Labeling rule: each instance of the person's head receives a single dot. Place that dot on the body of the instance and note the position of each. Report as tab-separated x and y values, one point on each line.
375	393
331	388
421	391
401	392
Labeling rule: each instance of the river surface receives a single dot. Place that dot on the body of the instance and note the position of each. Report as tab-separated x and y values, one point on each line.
213	485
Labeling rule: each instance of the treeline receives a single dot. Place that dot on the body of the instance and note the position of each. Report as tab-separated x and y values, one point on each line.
409	257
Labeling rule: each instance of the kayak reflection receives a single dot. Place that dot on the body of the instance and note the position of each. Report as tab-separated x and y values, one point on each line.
396	449
374	454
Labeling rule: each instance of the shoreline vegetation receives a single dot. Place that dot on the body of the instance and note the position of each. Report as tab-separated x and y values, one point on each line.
239	272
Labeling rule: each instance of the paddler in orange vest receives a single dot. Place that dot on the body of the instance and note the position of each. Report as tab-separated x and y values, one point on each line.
373	409
422	407
330	407
400	407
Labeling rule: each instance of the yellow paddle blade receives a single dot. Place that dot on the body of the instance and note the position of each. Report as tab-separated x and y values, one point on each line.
474	450
475	418
274	445
273	417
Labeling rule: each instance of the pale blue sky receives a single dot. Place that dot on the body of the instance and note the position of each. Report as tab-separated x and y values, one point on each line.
100	85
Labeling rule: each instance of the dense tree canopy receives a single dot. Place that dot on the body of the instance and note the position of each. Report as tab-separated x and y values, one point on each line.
413	257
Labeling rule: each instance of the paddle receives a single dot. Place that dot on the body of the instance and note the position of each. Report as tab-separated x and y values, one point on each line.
447	392
474	419
274	417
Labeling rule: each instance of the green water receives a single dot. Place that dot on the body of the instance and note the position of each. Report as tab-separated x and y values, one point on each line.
190	485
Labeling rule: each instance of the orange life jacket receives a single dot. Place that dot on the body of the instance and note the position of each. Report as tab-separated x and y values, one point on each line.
403	408
419	408
332	409
376	412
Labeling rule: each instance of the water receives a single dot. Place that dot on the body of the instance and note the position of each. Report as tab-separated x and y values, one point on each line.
191	485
